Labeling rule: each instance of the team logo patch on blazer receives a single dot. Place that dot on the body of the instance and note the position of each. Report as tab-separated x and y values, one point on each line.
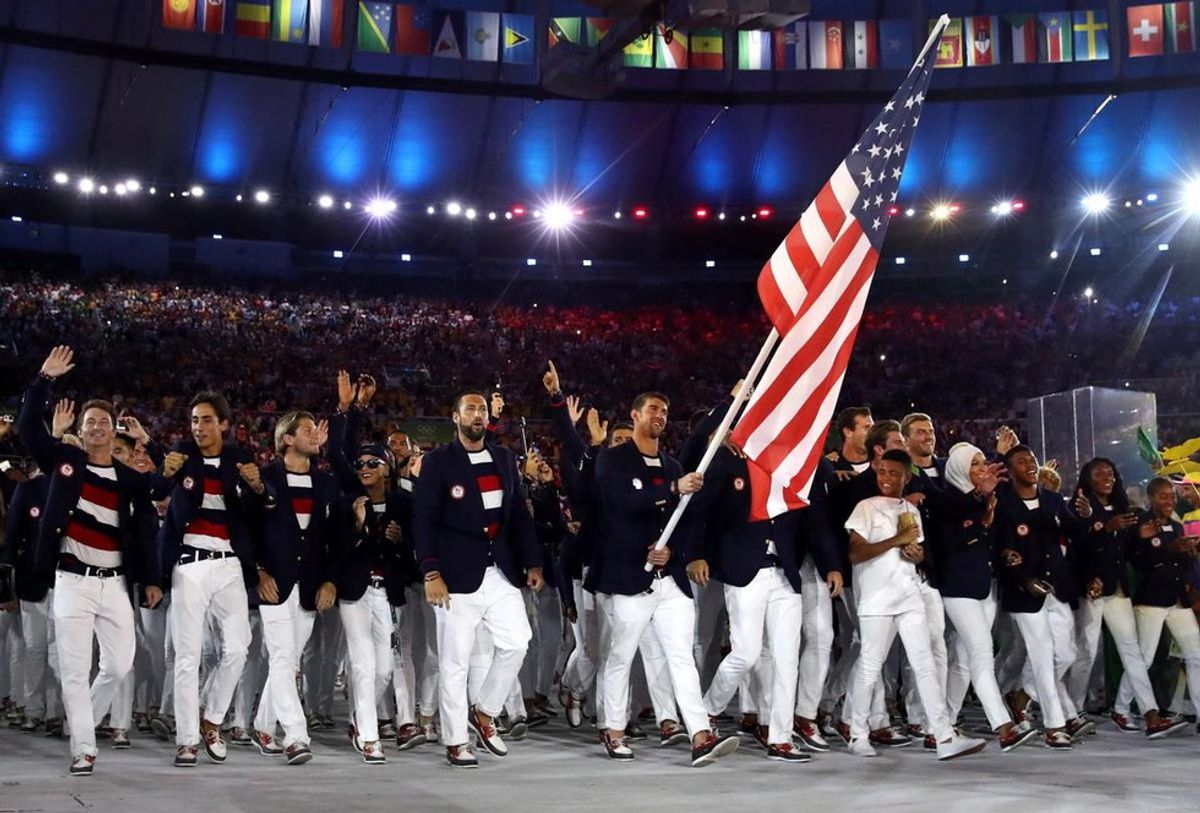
1022	530
967	523
66	470
457	492
1097	526
637	483
35	512
189	483
739	484
1155	542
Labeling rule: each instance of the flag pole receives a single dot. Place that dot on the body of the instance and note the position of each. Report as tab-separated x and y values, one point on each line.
938	28
719	435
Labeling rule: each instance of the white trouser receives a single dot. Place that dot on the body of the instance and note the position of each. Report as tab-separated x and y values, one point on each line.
198	589
1181	621
710	607
286	627
1116	613
421	632
545	611
672	616
580	674
483	654
651	680
935	614
320	662
817	623
84	605
42	699
769	601
975	664
1049	636
497	606
149	667
404	678
847	666
368	626
878	632
12	656
254	676
1010	653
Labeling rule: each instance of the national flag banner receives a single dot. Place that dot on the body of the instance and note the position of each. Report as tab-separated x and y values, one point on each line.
289	21
982	40
597	27
1090	30
754	50
326	20
212	16
791	47
862	45
374	27
1179	22
895	44
179	14
708	49
1145	30
670	48
1023	42
483	36
814	290
825	45
413	25
1054	40
564	29
640	52
448	27
950	49
252	18
516	39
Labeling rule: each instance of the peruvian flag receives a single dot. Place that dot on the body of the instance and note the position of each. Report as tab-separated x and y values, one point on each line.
1145	30
825	45
179	14
1180	23
212	16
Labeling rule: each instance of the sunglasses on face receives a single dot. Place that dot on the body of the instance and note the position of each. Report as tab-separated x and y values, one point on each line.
359	465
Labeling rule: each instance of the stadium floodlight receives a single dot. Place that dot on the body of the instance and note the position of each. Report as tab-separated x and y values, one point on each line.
587	263
61	177
558	216
1095	203
710	263
901	260
380	208
197	191
941	212
1054	254
87	185
1095	252
470	214
1002	209
454	208
133	185
262	196
964	258
1164	246
325	201
120	189
531	262
1191	196
1088	293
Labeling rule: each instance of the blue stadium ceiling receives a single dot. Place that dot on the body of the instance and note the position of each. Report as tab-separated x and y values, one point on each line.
108	91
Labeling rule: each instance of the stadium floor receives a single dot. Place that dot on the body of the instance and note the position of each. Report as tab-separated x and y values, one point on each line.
556	769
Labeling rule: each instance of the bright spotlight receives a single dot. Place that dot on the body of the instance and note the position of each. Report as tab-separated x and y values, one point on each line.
901	260
1003	208
17	219
1095	252
237	197
641	213
941	211
710	263
1095	203
587	263
765	212
61	178
120	189
86	185
964	258
218	237
338	254
454	208
701	213
133	185
262	196
406	258
558	216
531	262
1191	196
616	215
1164	246
508	215
153	191
470	214
103	189
325	201
1088	293
380	208
197	191
491	215
1054	254
1152	197
721	216
909	212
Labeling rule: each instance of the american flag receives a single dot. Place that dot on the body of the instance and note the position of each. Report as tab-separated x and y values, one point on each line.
814	289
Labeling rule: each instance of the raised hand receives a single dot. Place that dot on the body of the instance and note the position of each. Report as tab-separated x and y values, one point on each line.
574	408
550	379
345	391
64	418
322	434
596	429
134	429
360	512
497	404
58	362
1081	504
366	389
1006	438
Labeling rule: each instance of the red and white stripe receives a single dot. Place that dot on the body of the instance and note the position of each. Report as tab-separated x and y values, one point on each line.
490	487
814	289
300	486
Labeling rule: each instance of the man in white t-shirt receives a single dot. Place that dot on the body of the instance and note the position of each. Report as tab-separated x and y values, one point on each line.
885	545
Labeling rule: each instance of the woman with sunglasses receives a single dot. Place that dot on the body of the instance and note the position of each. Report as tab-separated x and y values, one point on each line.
1108	598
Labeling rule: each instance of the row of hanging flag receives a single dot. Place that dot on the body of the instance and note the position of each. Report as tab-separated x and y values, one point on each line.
399	28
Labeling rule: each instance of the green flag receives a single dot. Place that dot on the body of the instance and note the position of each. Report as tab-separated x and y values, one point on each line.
374	26
1146	448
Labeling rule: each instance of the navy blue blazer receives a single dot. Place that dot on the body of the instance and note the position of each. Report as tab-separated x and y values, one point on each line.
449	521
64	466
21	526
718	519
363	551
1104	554
186	490
634	509
1036	535
289	554
1163	573
964	546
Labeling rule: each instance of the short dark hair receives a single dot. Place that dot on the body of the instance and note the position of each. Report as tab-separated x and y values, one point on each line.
879	434
1157	484
462	395
913	417
101	404
848	417
1014	451
641	400
898	456
215	400
126	441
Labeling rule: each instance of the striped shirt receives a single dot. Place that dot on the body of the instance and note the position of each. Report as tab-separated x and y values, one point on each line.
93	534
487	477
210	529
300	490
377	568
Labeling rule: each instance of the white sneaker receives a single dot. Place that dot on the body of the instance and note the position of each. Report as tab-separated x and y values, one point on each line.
861	747
959	746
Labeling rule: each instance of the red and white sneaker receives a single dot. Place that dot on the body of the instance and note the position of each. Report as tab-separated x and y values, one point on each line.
671	733
372	753
486	732
617	749
461	756
786	752
713	749
409	736
1058	741
214	743
1015	738
82	765
810	736
185	756
1165	727
266	744
1124	723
